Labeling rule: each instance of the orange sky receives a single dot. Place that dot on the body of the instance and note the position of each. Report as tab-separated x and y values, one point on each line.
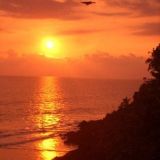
114	27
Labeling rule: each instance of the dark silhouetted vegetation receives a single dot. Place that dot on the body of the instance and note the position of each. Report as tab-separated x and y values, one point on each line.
154	63
130	133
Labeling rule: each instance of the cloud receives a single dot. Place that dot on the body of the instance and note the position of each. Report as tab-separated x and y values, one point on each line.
68	9
112	14
40	9
90	66
104	65
80	31
139	7
1	29
4	30
148	29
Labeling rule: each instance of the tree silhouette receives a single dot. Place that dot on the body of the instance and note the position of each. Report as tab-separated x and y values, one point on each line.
154	63
130	133
124	103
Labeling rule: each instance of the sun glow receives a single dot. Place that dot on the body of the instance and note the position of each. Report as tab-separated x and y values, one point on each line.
50	44
50	48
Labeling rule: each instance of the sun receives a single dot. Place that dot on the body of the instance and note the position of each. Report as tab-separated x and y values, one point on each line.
49	47
49	44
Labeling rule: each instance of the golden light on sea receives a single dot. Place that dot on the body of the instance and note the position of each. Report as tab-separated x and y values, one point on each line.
48	145
47	120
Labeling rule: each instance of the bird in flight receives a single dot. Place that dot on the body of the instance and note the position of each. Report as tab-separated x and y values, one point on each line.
88	2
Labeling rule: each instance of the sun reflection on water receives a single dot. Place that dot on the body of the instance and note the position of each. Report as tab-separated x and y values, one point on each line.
49	145
47	120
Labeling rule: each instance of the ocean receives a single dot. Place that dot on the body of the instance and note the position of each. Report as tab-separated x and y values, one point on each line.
35	111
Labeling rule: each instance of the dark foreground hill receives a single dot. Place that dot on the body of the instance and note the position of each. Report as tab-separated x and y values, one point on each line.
130	133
